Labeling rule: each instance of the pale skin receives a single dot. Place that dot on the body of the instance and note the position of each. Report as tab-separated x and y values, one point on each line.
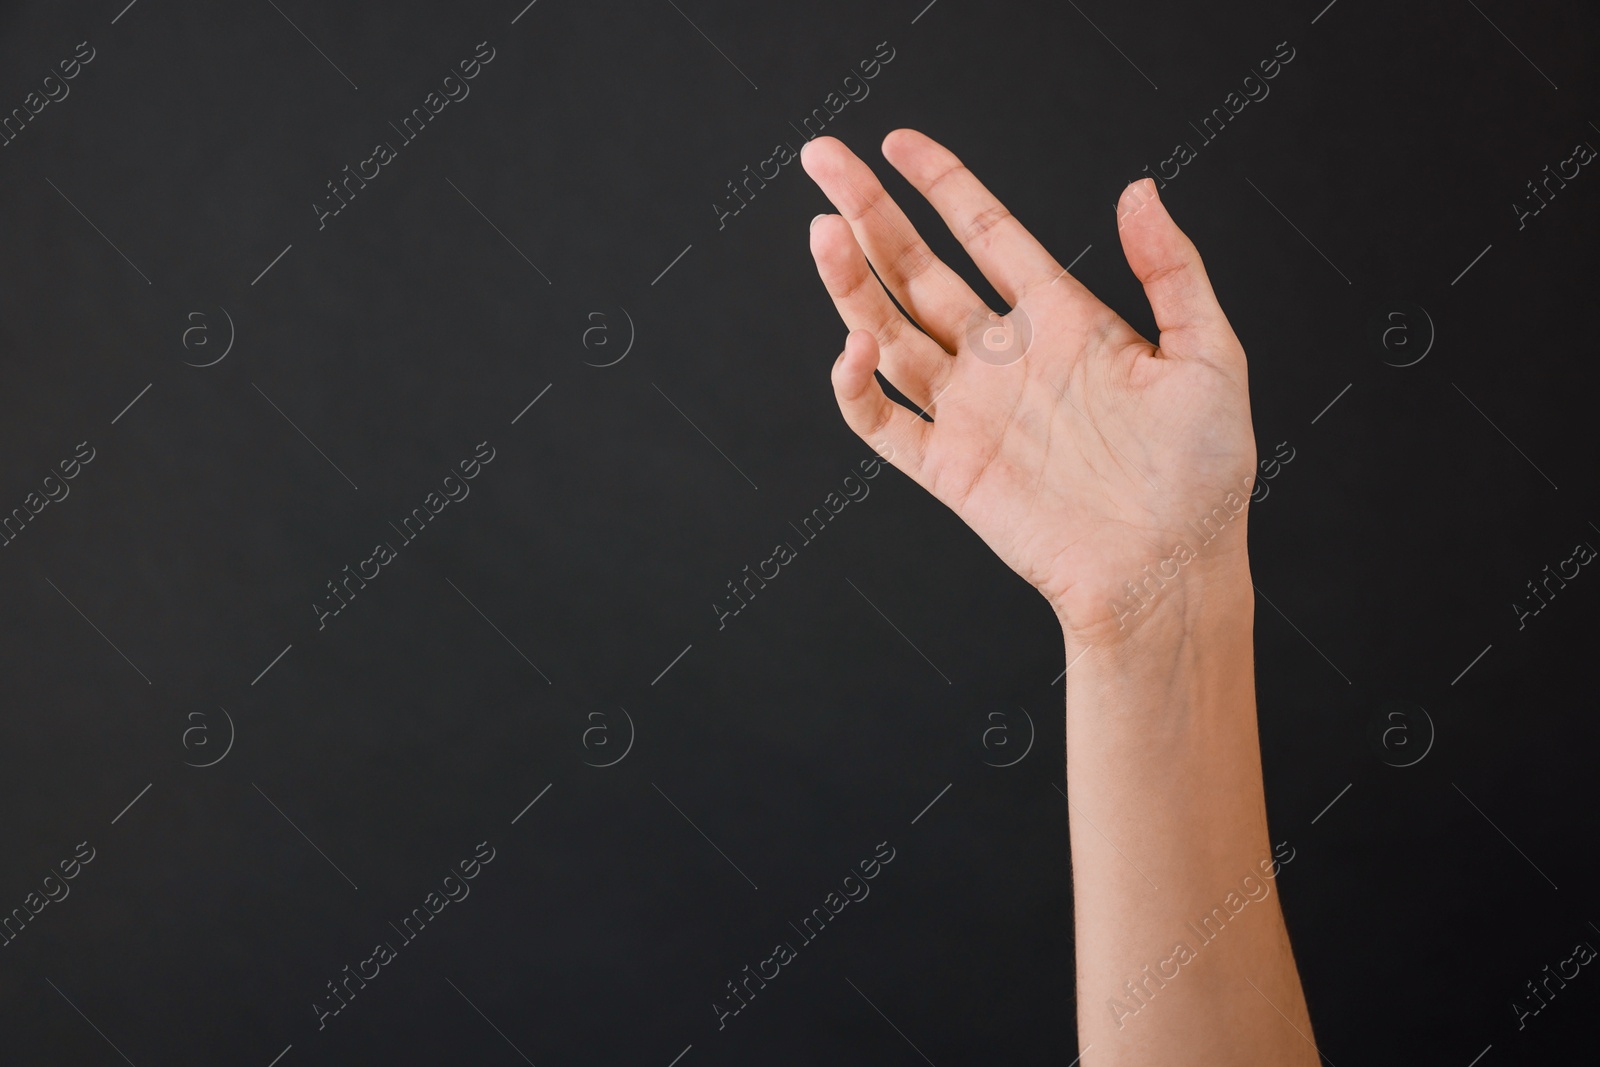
1081	464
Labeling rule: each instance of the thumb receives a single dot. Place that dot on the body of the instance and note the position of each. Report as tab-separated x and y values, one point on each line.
1168	265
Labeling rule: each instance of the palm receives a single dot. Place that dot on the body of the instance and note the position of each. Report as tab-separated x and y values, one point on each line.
1084	460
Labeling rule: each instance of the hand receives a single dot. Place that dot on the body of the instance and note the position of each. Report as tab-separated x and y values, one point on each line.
1085	460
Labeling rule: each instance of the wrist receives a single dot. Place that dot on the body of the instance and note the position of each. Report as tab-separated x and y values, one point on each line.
1206	601
1169	703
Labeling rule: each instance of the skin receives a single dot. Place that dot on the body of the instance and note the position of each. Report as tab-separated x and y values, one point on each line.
1081	464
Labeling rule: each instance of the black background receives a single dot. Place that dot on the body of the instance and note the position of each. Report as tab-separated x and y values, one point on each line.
807	731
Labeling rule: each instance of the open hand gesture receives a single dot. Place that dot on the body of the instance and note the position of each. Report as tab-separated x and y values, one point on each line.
1079	451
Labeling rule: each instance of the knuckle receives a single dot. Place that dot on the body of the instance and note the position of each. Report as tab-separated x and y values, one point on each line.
983	222
915	261
867	201
847	286
890	332
1168	272
955	168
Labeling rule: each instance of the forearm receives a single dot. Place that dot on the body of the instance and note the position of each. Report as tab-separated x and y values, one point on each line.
1163	763
1175	914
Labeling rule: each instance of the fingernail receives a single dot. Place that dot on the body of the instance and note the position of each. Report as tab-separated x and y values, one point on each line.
815	218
